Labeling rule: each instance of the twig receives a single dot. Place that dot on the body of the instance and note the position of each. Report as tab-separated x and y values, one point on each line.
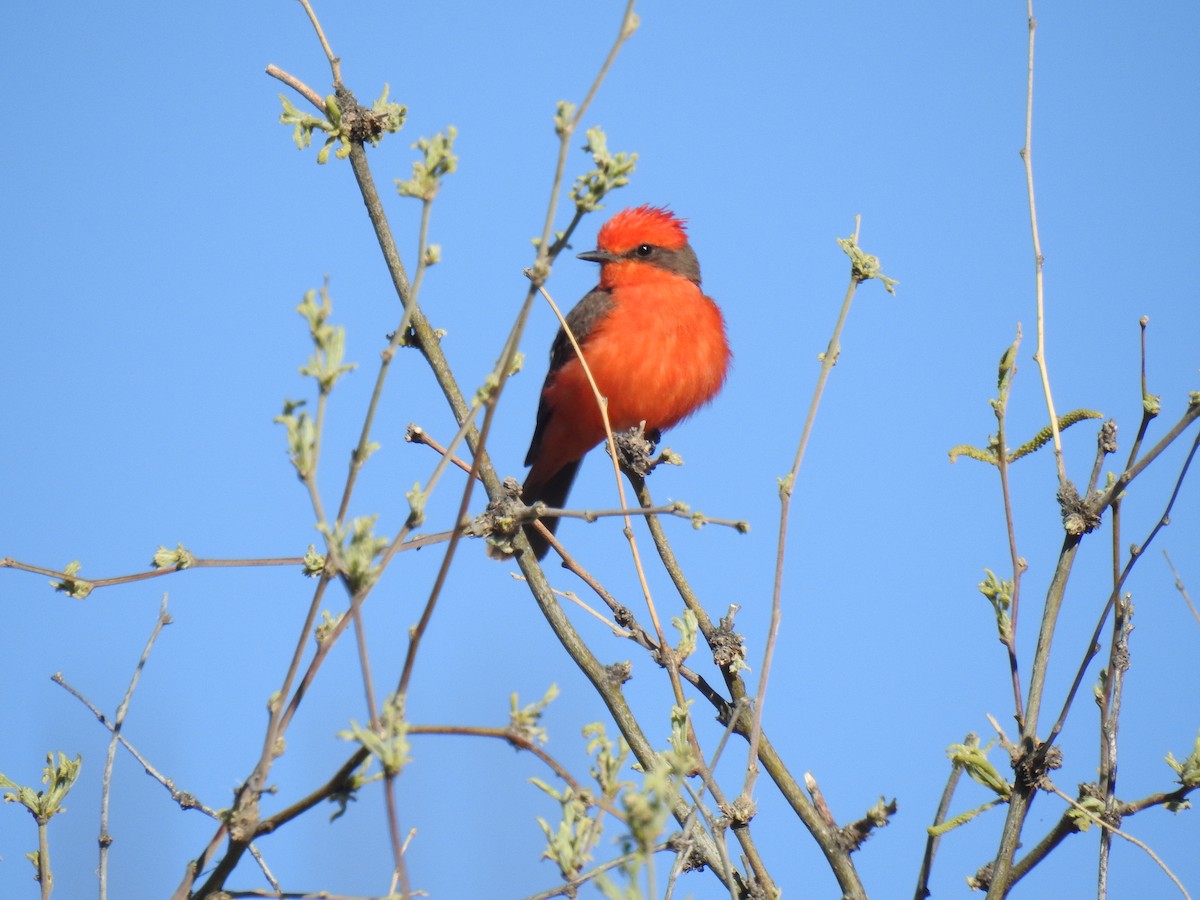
624	33
1179	586
1102	501
1110	711
418	631
616	629
163	620
1150	405
184	799
334	62
678	509
932	840
630	628
785	503
571	888
9	563
1063	828
1039	260
1007	373
521	742
409	299
266	870
1135	554
828	839
1117	831
1173	798
418	435
298	86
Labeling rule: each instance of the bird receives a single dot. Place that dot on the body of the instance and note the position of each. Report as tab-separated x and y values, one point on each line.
655	344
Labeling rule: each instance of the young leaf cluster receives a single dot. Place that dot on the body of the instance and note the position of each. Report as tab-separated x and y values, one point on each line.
438	160
44	805
611	172
523	720
302	440
325	365
75	588
388	741
384	117
356	549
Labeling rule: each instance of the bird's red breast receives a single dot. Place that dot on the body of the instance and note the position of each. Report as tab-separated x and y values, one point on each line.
654	342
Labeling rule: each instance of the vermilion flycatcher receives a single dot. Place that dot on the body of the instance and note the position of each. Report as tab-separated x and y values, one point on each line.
654	342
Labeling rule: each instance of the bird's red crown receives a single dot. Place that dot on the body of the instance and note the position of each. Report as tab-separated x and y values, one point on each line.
642	225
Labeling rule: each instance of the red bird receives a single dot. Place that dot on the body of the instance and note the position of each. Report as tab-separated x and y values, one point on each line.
654	342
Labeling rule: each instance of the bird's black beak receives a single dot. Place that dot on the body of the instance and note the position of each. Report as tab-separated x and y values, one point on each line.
598	256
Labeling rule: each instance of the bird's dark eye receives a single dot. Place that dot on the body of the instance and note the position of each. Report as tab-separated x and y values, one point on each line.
644	250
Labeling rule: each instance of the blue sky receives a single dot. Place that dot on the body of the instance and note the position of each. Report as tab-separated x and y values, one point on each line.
161	227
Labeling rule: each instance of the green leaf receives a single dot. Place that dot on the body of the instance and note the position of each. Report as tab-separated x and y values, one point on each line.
179	558
356	548
1189	769
388	742
75	588
688	627
314	562
524	720
612	171
43	805
301	438
974	761
864	266
437	162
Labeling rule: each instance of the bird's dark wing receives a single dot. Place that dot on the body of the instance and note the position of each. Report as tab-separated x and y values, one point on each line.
581	320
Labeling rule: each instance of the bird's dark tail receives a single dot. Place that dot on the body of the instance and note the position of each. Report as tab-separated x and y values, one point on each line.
553	492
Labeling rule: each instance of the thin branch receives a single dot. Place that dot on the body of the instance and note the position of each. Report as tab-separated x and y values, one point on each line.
1007	374
1039	260
575	599
571	888
1063	829
67	578
1135	554
1102	501
522	742
418	435
362	450
298	86
677	509
932	839
163	620
183	798
827	838
787	485
334	62
1110	711
635	630
1117	831
629	24
1179	586
1150	405
1174	798
418	631
300	895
